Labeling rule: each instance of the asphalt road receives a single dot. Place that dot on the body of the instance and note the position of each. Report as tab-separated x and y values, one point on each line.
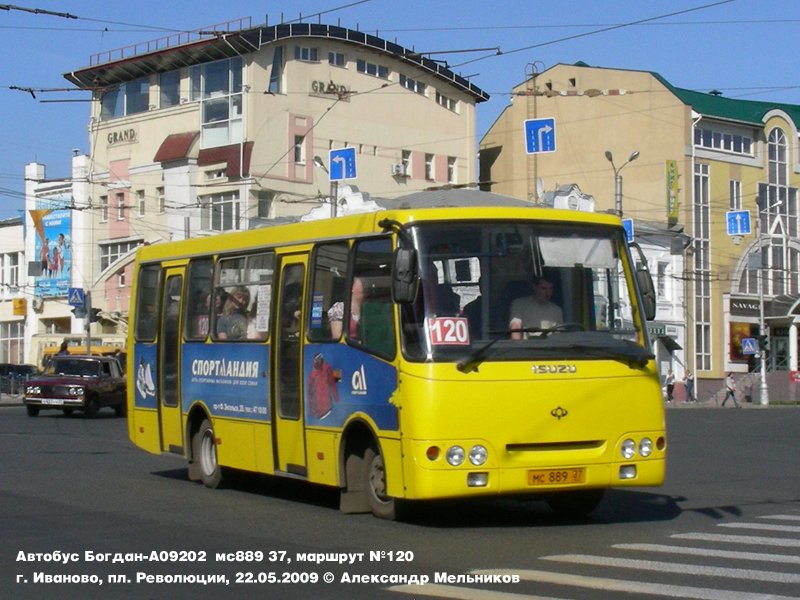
86	515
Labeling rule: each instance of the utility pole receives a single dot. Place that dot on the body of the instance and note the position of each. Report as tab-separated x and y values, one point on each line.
87	320
764	388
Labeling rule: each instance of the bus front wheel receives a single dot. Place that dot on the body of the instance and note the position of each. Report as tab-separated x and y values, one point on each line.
204	453
381	505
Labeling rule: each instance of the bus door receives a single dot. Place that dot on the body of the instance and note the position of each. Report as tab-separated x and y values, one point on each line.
287	356
169	347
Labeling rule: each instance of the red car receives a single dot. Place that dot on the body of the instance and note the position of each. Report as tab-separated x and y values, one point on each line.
73	382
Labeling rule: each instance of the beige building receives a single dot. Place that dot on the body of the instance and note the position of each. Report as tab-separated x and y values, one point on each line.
219	130
698	160
14	295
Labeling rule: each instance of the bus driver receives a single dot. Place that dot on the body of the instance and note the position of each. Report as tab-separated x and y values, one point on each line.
536	311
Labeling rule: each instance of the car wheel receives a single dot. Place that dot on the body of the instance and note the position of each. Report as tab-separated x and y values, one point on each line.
381	505
33	411
90	407
575	505
204	454
68	412
121	409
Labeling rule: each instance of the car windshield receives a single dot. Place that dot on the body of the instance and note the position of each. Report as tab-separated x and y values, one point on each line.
74	366
520	290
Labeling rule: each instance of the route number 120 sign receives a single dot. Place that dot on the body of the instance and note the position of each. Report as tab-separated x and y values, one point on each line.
449	331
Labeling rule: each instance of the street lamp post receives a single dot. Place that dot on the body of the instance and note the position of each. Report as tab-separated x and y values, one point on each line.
618	178
763	388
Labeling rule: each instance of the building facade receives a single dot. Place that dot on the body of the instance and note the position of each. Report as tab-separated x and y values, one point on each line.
224	128
690	161
14	294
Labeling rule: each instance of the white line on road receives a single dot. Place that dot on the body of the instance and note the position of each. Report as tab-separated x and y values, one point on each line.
739	539
691	551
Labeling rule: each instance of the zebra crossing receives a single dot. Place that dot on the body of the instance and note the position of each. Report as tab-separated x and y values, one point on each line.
762	555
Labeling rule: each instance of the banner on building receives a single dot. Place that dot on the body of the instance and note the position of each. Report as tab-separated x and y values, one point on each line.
53	250
672	192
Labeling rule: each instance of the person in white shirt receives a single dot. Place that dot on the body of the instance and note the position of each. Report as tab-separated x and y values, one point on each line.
535	311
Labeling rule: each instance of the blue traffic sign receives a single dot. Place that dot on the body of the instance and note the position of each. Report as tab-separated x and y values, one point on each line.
76	297
540	136
738	222
342	164
627	224
749	346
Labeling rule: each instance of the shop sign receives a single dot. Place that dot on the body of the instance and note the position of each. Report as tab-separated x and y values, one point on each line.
744	307
122	136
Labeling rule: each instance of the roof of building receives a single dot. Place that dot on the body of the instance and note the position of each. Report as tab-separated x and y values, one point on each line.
714	104
167	54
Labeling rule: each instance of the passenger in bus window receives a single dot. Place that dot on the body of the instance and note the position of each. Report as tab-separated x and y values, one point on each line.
232	323
336	312
200	328
536	311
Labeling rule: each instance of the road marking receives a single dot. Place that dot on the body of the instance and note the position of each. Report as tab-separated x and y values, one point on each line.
460	593
762	527
782	517
691	551
682	568
634	587
739	539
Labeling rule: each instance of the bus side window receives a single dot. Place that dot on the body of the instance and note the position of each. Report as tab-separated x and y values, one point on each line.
373	263
329	265
198	309
147	295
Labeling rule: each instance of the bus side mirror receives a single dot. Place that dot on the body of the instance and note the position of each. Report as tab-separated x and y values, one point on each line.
404	276
647	291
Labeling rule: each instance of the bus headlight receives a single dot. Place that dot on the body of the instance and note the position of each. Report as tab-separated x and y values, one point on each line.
628	449
455	455
646	447
478	455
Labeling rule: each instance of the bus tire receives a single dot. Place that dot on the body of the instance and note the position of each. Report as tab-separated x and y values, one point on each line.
575	504
381	505
204	455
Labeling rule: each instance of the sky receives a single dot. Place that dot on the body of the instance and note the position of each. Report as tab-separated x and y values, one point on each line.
744	48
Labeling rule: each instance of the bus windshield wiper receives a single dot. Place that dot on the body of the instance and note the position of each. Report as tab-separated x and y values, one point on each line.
476	357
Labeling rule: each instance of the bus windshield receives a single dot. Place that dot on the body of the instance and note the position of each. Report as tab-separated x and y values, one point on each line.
516	291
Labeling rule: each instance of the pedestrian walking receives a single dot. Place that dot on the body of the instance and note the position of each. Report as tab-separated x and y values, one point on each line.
688	385
730	391
670	381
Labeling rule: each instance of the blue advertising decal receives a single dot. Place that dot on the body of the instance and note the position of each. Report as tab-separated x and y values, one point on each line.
341	380
229	378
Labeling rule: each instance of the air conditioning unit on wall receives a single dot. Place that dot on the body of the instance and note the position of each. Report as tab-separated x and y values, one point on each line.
399	170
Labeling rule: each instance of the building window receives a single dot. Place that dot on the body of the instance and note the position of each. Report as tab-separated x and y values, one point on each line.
169	89
120	207
103	209
735	193
429	174
406	161
265	200
140	202
445	101
127	98
373	69
276	74
220	212
733	142
661	279
304	53
12	260
218	85
112	252
451	170
413	85
12	334
121	279
299	149
702	267
162	200
336	59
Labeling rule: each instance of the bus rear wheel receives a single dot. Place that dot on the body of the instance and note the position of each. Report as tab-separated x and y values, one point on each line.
204	453
575	504
381	505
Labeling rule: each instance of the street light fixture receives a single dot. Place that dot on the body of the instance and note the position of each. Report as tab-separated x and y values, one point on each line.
334	184
618	178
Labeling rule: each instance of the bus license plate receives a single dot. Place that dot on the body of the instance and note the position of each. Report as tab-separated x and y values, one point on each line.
557	476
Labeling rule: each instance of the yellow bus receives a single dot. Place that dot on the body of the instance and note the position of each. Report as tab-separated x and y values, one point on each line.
394	354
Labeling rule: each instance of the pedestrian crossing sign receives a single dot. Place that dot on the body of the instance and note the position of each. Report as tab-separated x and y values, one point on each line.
76	297
749	346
